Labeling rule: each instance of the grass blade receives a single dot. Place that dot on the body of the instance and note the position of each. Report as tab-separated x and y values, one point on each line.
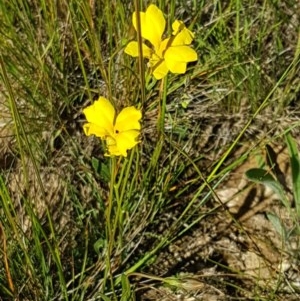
295	167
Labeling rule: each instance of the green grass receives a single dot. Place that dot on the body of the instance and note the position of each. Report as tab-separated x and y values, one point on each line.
76	225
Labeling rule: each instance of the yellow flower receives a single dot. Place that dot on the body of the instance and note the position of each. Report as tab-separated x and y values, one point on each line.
120	132
171	54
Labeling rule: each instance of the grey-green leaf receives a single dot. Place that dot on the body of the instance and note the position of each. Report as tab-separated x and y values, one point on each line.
262	176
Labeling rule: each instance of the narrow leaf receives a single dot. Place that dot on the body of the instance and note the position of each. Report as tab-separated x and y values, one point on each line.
126	291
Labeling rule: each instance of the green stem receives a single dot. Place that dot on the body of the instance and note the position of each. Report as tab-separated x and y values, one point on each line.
109	230
163	105
140	49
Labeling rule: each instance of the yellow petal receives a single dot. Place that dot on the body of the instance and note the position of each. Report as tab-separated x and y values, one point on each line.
183	36
100	116
133	50
112	147
177	26
162	47
113	151
160	70
128	119
152	24
178	67
111	141
125	141
176	58
93	129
